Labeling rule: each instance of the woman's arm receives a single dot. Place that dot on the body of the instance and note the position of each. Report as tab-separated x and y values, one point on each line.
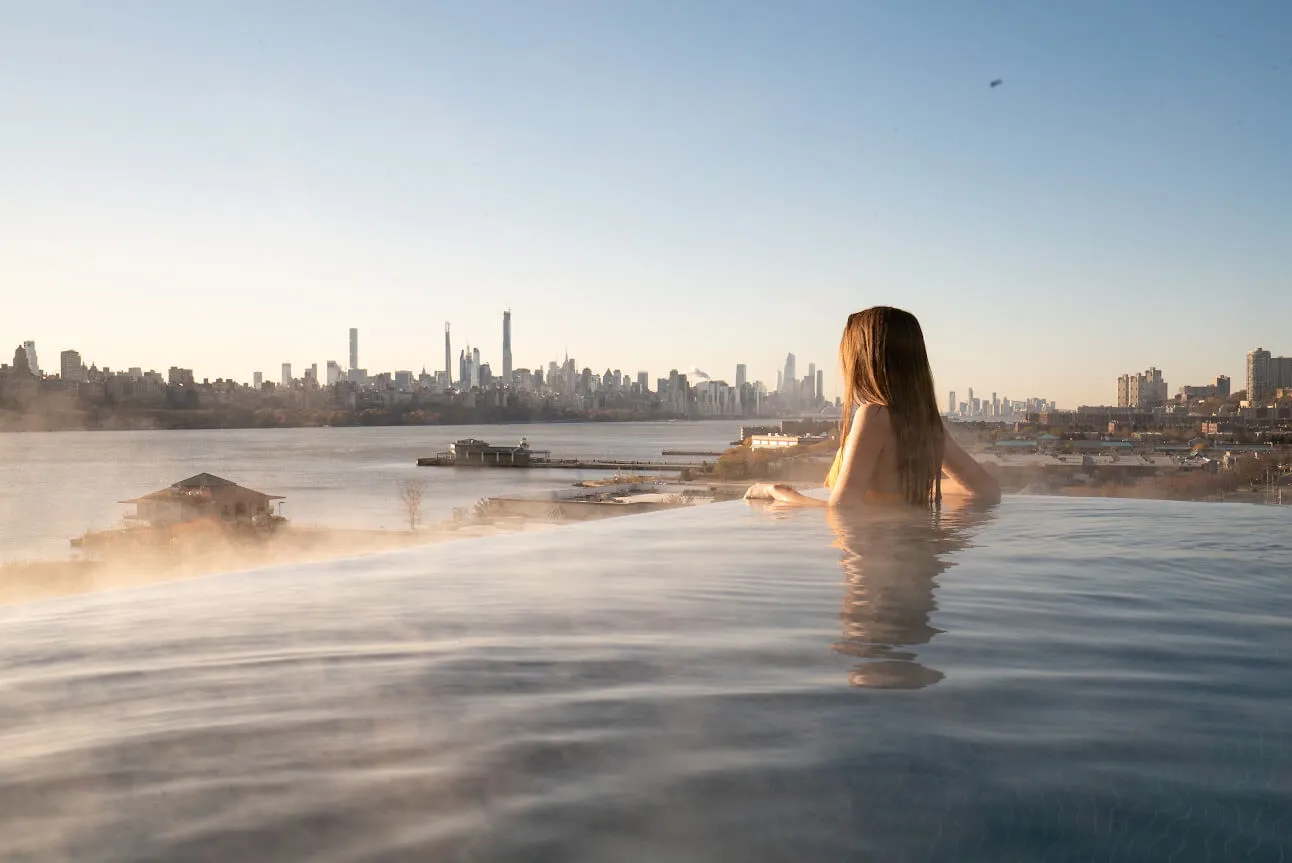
966	471
861	452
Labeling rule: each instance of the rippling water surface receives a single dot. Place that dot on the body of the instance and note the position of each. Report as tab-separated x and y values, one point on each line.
1049	680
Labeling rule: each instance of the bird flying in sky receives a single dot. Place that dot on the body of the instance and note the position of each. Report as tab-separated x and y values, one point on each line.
997	82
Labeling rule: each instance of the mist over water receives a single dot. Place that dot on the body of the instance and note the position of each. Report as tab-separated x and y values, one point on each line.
1050	679
55	486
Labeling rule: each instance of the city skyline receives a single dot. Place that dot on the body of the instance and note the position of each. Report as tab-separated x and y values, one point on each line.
662	185
1131	390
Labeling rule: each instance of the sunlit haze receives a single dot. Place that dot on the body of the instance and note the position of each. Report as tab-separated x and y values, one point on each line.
650	185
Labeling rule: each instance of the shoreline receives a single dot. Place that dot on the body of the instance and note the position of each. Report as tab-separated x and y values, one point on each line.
23	581
12	430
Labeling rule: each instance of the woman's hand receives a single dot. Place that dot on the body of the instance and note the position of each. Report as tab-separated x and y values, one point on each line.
762	491
781	495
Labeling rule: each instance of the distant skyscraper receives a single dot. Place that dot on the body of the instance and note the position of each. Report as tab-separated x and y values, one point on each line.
951	402
820	385
791	374
333	373
70	366
32	363
475	367
742	375
811	383
780	380
448	355
1259	385
643	382
972	409
354	348
506	348
287	374
257	380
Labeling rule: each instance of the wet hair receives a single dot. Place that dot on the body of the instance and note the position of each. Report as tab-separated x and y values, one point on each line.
885	362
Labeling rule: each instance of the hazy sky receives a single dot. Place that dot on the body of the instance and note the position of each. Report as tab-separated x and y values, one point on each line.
229	186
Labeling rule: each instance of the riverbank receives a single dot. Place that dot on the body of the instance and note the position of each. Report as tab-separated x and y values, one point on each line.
172	556
202	419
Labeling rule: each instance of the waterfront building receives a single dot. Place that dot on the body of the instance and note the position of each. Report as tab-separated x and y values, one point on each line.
178	377
717	399
506	348
643	382
257	379
741	376
70	367
33	365
334	375
287	374
203	496
774	440
448	357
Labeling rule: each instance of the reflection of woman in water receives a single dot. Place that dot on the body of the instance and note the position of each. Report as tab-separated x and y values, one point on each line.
891	557
894	445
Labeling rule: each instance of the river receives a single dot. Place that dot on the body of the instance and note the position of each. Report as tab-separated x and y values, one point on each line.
57	485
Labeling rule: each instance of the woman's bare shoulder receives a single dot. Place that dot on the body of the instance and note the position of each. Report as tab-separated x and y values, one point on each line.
874	417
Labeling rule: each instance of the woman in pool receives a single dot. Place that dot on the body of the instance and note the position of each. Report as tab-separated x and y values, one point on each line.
894	444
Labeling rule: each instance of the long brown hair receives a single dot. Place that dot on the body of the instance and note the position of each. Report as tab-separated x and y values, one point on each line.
885	362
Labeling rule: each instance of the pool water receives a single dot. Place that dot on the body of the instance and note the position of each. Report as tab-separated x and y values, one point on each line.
1050	679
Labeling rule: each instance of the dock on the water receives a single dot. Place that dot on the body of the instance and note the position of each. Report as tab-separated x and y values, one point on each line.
564	464
692	452
470	452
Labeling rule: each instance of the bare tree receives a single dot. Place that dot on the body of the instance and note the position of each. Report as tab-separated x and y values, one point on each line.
411	492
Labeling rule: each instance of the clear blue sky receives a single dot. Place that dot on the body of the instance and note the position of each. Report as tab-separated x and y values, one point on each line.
655	184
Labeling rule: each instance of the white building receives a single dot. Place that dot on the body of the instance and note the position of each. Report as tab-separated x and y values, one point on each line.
32	363
773	441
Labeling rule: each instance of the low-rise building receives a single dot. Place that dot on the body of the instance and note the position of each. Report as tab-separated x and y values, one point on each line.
773	441
203	496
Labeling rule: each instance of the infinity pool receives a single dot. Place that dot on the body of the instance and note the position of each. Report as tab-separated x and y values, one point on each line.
1049	680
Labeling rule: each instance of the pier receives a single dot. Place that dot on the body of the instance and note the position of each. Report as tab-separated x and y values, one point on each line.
563	464
470	452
